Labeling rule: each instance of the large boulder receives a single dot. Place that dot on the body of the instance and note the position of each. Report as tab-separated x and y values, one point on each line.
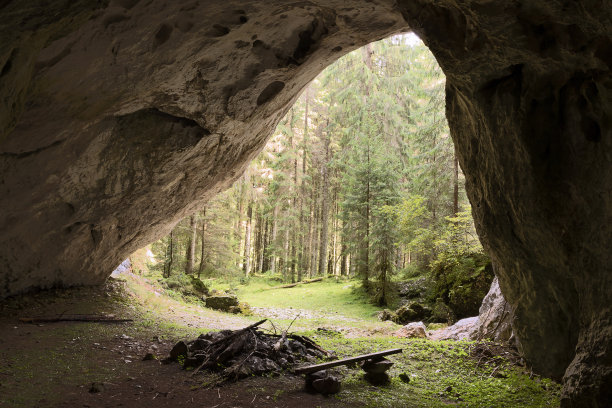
464	329
412	312
224	303
413	289
494	322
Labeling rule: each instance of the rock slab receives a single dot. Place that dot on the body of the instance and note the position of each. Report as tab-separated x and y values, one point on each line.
413	330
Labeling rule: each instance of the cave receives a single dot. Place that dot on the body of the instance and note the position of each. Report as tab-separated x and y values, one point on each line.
120	118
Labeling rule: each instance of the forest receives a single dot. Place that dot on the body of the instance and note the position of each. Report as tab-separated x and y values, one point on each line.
359	181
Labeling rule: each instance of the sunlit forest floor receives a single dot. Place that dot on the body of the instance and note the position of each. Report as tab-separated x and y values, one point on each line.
55	364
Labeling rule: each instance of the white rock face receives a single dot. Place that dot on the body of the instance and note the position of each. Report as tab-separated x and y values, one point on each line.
495	317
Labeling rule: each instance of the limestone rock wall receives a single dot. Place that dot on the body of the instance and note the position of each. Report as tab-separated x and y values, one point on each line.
532	129
118	118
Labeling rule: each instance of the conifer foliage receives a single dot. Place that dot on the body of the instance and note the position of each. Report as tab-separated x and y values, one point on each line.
359	179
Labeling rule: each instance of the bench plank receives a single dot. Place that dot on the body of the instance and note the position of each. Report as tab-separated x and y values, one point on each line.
344	361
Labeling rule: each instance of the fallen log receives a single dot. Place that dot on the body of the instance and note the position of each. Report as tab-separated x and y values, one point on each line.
310	343
79	318
239	332
345	361
292	285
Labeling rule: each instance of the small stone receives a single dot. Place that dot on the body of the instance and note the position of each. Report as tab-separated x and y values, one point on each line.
376	367
385	315
377	378
179	349
411	330
448	389
327	386
149	356
223	302
96	387
199	344
191	362
311	377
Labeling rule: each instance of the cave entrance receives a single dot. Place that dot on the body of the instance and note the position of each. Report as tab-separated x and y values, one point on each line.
100	148
359	184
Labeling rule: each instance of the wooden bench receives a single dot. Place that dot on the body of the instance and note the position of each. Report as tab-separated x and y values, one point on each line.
345	361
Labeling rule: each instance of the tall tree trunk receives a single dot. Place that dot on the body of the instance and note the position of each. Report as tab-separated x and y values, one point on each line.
190	255
202	238
456	186
315	233
324	207
384	269
258	253
286	266
335	270
247	241
273	241
266	247
302	235
168	266
239	209
365	247
294	232
343	256
366	241
255	226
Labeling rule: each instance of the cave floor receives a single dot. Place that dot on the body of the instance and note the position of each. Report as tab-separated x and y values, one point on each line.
55	364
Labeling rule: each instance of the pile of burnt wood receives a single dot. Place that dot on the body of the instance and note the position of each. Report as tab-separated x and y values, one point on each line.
236	354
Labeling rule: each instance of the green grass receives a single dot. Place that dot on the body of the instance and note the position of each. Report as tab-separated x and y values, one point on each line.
329	296
433	367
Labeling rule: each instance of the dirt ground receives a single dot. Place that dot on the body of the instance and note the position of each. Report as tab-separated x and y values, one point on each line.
55	364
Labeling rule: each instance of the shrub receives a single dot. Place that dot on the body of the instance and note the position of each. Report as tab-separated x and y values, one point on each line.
412	270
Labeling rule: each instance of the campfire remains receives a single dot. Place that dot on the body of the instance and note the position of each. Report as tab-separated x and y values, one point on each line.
236	354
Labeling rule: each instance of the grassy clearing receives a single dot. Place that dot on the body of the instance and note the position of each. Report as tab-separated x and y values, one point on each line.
332	304
328	296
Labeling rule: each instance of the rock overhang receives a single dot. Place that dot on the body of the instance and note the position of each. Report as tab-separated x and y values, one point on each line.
120	118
